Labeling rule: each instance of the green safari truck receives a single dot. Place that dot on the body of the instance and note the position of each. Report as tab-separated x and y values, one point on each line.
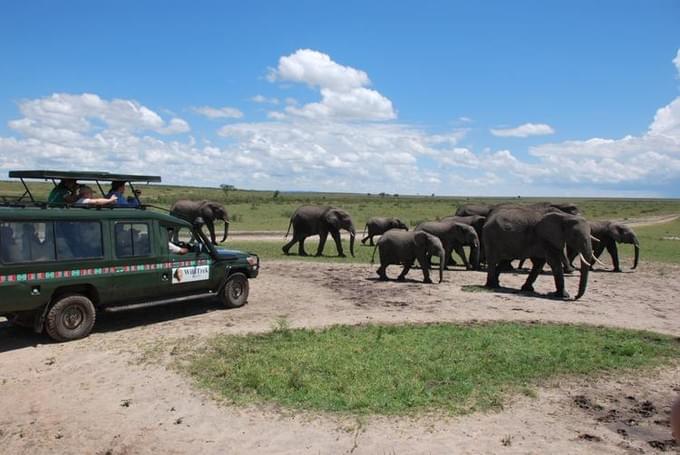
61	264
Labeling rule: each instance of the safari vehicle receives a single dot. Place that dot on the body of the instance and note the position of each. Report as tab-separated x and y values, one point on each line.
60	265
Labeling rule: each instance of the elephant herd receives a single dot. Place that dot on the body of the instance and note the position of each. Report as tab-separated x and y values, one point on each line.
544	232
552	233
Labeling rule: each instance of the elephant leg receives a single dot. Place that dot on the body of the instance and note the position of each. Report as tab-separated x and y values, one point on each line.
566	263
614	253
536	268
424	261
363	241
405	270
286	248
597	251
301	247
492	274
338	243
461	252
370	241
322	242
382	275
211	229
521	263
555	262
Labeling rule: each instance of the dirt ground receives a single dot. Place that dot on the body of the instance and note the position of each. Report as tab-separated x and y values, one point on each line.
105	395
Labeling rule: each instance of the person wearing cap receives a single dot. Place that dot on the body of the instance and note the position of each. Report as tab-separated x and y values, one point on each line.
85	194
66	192
118	190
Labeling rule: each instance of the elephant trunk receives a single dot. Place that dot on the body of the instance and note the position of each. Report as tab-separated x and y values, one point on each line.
474	255
442	264
586	251
226	229
637	253
352	235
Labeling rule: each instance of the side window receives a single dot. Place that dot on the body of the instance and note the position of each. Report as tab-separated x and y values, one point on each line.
26	242
132	239
78	239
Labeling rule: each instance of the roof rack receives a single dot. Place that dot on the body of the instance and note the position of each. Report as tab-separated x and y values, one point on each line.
78	175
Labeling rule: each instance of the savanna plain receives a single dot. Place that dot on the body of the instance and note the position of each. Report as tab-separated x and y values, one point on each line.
326	359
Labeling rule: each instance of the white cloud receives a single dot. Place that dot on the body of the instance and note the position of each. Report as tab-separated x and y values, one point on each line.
261	99
218	112
676	61
343	89
524	130
76	113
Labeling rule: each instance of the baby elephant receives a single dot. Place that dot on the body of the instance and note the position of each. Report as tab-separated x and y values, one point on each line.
379	225
400	247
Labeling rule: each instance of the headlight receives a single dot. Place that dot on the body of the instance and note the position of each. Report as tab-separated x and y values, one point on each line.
252	261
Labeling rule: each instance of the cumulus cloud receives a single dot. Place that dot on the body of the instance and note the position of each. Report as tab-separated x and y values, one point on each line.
524	130
218	112
344	90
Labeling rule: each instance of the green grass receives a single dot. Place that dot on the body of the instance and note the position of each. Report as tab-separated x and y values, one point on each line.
655	243
405	369
260	210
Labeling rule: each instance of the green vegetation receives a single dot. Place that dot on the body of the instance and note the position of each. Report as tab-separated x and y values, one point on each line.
271	210
658	242
402	369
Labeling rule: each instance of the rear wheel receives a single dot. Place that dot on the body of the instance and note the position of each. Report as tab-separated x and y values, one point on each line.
70	318
236	290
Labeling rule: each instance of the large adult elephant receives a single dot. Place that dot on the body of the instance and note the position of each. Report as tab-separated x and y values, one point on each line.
477	223
311	220
454	236
487	209
520	233
608	234
404	247
209	211
379	225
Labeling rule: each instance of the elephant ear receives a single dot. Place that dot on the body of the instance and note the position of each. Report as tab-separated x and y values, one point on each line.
552	229
207	211
420	238
332	218
617	232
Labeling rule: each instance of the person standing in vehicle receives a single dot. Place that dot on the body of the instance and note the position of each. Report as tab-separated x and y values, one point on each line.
66	192
85	194
118	190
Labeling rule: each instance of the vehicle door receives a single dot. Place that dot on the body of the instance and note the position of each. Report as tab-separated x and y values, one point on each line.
188	272
137	266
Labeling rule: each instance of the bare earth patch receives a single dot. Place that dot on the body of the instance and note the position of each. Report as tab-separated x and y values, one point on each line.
109	394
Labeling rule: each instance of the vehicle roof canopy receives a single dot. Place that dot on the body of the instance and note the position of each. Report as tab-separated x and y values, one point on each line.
80	175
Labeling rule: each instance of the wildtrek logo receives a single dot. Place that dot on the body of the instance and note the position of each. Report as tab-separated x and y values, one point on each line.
115	270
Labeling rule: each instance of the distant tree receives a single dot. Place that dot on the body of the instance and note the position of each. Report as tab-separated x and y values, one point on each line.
396	195
383	194
276	194
226	188
432	194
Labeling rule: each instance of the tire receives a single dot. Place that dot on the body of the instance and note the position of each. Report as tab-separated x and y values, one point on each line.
70	318
235	293
23	320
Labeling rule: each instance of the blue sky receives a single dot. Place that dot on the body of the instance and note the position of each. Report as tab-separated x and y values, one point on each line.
492	98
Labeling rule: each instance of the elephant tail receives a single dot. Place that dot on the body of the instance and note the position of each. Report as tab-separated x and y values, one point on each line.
290	223
373	256
365	227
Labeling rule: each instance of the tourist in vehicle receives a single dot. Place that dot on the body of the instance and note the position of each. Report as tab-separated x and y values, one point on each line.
118	190
85	194
175	249
66	192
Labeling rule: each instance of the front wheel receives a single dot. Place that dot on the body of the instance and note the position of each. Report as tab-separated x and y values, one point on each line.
235	293
70	318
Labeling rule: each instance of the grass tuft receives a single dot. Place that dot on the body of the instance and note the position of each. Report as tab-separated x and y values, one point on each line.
404	369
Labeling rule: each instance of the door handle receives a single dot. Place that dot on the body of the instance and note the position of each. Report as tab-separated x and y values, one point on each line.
165	276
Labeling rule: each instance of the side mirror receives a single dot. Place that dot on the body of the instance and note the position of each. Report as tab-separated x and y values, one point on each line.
198	222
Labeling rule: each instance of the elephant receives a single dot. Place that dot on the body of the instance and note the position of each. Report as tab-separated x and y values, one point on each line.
608	234
380	225
477	223
454	236
208	211
487	209
520	232
310	220
404	247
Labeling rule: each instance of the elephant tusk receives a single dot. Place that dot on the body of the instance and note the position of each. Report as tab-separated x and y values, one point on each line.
580	255
599	262
594	239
